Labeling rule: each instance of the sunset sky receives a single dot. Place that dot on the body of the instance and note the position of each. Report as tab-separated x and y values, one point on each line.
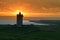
30	8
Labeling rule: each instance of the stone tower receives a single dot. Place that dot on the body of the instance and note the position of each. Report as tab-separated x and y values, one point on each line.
19	19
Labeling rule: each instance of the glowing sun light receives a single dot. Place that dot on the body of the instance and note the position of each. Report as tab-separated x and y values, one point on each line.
17	12
22	12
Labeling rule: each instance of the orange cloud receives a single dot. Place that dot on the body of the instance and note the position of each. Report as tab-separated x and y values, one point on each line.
31	6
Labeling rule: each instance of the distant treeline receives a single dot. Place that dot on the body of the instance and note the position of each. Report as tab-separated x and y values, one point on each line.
47	21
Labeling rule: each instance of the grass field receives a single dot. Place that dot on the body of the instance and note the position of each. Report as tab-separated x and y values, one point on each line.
29	33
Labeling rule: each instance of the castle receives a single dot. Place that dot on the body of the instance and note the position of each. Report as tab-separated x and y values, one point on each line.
19	19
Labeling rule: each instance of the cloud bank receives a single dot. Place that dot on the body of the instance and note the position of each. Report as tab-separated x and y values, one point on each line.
33	6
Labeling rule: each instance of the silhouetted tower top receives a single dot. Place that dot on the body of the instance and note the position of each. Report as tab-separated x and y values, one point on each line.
20	14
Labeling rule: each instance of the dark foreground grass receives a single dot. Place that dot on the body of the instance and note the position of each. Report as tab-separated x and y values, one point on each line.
27	33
